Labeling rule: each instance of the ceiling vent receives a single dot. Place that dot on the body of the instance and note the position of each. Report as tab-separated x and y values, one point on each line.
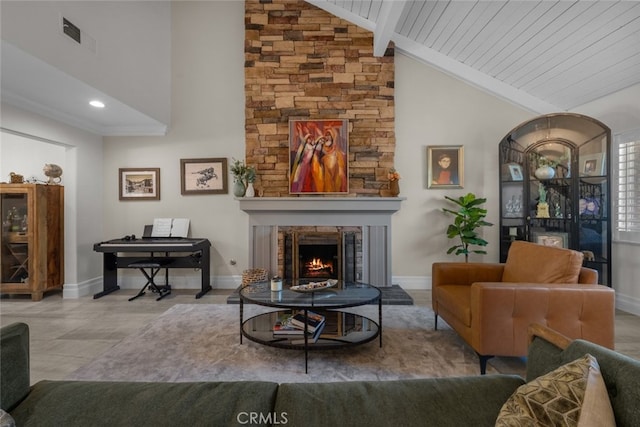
71	30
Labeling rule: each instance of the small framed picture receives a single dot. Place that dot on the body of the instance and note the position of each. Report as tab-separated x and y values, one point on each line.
556	239
139	183
515	170
445	164
589	206
592	164
203	176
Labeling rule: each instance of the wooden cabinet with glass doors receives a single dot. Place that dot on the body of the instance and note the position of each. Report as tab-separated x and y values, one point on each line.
32	239
555	187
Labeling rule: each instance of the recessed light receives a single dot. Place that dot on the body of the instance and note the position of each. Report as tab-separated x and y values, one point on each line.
96	103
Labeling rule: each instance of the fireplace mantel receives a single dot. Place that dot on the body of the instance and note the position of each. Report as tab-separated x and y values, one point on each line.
387	205
373	214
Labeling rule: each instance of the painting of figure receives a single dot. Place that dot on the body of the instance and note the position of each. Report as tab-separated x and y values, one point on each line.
445	166
318	156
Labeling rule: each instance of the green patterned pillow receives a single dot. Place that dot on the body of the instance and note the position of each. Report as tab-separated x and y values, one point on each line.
6	420
572	395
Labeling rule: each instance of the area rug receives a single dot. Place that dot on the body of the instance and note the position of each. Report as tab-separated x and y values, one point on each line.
200	342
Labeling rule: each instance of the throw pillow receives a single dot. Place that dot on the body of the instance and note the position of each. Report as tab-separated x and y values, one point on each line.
6	420
572	395
533	263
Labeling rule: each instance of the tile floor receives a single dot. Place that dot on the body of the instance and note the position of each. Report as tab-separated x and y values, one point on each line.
68	333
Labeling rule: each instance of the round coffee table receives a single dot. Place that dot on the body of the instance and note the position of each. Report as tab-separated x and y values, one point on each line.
341	329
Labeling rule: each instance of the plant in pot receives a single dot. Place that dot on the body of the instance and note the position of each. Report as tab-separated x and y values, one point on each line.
467	219
239	170
546	167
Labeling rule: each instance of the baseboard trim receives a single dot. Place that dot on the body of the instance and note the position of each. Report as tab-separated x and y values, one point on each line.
82	289
93	286
412	282
129	281
628	303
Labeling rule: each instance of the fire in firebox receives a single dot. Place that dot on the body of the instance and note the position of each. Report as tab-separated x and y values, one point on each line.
318	261
317	267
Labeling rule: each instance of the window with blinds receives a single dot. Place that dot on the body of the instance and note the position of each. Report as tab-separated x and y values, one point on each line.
627	200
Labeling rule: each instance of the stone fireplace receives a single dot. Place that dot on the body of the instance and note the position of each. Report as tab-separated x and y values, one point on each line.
361	226
301	62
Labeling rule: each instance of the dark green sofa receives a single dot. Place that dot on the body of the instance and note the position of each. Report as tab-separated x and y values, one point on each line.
459	401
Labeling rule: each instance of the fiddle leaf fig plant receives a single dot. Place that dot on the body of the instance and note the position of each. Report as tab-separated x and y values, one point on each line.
467	219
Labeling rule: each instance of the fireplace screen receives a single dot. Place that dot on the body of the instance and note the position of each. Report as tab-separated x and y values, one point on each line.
318	261
315	256
318	255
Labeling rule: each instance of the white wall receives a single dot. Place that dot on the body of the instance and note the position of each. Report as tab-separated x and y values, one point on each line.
433	108
621	112
82	179
208	121
131	64
27	156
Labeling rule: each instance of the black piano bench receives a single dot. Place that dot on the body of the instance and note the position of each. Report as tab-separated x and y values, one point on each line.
154	266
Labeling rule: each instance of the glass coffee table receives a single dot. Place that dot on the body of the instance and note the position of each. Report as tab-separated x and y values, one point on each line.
341	329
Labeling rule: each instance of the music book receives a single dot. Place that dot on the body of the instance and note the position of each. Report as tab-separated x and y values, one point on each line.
170	227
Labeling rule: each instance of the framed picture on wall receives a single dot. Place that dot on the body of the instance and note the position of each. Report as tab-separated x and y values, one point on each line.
546	238
139	183
203	176
445	166
318	151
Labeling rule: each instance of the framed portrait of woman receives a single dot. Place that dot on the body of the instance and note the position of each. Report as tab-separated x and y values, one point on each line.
445	165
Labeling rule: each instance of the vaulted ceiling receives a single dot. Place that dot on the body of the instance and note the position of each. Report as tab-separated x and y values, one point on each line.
544	56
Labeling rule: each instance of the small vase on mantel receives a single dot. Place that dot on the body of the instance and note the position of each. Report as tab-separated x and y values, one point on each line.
394	188
238	189
251	192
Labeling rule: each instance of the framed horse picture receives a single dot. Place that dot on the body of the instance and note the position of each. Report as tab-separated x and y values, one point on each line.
203	176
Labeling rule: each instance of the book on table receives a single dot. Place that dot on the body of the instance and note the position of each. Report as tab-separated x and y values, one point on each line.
311	337
312	320
284	327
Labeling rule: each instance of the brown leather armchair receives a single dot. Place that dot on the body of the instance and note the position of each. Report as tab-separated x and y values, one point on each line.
492	305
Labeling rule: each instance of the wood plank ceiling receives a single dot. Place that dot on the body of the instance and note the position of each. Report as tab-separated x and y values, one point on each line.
543	55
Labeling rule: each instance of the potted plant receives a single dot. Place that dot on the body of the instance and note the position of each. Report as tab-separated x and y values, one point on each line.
238	170
546	167
394	182
243	178
467	219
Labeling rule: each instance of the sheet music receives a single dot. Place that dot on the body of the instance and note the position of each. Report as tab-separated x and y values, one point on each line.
180	227
170	227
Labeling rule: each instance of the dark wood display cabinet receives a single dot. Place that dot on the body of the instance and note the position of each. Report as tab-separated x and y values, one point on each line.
32	239
555	187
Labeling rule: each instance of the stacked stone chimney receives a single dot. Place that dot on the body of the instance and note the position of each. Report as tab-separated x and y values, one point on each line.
304	63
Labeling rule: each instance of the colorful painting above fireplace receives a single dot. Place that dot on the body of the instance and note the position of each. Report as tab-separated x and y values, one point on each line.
318	156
